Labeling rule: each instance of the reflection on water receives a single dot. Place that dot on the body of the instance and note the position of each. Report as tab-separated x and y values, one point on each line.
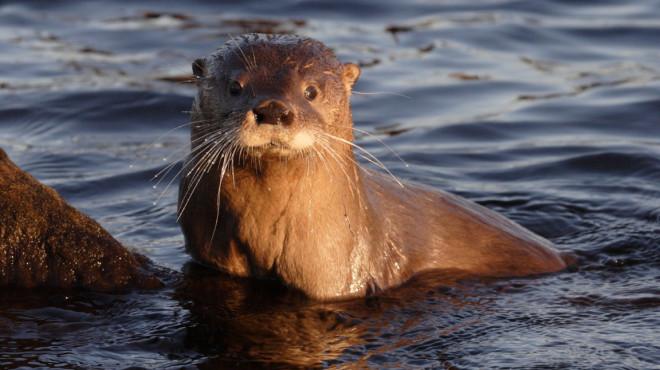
546	111
264	323
240	323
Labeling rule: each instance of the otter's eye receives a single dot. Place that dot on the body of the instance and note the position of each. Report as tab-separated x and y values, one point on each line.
235	88
311	92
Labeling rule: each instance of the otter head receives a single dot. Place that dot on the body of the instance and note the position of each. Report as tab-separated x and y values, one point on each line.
272	96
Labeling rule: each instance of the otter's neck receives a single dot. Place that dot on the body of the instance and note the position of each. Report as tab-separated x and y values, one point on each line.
303	219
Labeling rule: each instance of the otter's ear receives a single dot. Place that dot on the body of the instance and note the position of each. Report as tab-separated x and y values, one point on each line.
199	68
350	74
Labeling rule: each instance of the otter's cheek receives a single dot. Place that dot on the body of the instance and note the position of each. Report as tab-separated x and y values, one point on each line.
301	140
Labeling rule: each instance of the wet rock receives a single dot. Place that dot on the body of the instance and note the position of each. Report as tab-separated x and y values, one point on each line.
46	242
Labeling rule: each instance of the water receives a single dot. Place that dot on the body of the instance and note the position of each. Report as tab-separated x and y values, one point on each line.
546	111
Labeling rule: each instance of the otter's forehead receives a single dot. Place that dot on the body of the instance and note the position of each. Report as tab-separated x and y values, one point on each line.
261	53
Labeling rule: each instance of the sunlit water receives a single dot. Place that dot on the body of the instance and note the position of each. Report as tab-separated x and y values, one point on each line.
546	111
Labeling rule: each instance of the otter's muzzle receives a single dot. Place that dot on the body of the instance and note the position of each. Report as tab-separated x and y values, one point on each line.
273	112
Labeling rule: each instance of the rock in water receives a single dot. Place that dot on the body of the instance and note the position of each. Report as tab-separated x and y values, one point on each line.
46	242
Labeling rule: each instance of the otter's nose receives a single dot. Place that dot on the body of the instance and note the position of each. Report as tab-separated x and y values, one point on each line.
273	112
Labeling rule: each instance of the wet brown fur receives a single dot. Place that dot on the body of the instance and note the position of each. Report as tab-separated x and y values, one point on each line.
320	223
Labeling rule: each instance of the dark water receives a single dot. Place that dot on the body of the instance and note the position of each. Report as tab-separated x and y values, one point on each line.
547	111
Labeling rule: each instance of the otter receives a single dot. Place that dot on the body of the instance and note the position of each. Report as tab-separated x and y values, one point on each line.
272	188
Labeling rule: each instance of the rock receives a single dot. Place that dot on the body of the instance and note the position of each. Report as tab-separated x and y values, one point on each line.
46	242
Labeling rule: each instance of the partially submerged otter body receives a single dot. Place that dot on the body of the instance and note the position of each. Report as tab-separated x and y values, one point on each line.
272	187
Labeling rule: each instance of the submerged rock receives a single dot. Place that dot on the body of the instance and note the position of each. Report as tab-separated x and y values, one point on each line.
46	242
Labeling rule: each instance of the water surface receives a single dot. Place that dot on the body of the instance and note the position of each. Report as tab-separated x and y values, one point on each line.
546	111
